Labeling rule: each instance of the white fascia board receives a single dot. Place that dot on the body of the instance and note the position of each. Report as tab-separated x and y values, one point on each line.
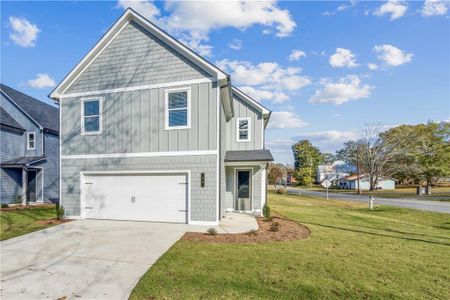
128	16
22	110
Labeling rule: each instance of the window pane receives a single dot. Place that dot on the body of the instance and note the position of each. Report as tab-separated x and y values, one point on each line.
243	134
178	100
243	124
31	137
91	124
91	108
178	118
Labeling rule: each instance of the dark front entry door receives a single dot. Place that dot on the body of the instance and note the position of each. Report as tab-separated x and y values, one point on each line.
31	190
243	190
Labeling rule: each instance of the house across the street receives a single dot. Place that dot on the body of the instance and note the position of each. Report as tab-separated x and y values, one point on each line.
152	131
351	183
29	148
334	171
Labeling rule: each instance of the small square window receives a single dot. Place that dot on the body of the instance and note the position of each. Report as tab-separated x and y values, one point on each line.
30	140
177	109
91	116
243	129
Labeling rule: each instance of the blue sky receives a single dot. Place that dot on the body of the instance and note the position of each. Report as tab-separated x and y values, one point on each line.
306	61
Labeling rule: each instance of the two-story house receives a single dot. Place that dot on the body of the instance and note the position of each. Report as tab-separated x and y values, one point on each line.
29	148
152	131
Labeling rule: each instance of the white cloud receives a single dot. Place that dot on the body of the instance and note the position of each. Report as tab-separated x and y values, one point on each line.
341	91
372	66
341	8
265	81
285	119
261	95
343	58
396	9
235	44
42	81
23	32
435	8
329	141
192	21
296	55
337	115
392	55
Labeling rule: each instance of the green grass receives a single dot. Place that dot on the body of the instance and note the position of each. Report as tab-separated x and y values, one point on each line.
19	222
437	193
352	253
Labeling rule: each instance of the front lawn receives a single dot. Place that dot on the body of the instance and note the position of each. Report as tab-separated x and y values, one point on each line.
351	253
24	220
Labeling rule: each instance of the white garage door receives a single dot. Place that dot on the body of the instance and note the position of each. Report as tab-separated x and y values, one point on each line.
138	197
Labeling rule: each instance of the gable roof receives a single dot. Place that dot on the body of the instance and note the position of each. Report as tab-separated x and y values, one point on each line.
43	114
128	16
7	120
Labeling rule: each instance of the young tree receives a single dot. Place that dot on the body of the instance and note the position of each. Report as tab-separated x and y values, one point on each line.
307	158
276	172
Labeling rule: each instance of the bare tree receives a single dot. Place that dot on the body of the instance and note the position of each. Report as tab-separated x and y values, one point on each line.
376	152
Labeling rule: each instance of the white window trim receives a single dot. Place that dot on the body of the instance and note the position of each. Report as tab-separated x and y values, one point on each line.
100	111
166	108
249	129
28	140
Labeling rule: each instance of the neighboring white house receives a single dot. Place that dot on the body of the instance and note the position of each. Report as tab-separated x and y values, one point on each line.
351	183
334	171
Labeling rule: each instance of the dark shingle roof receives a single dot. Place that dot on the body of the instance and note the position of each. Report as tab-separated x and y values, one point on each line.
248	155
6	119
46	115
22	160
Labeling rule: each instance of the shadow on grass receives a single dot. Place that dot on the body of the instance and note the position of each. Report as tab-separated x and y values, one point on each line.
379	234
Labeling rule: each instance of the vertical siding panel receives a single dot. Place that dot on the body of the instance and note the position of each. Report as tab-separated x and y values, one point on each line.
127	122
194	131
145	121
203	122
163	134
154	118
212	99
136	121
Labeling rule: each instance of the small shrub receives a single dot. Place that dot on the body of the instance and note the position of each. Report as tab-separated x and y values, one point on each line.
211	231
275	226
252	232
59	211
281	191
266	211
18	199
4	205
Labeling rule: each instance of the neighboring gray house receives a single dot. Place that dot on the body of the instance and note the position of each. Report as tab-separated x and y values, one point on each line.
351	183
152	131
29	148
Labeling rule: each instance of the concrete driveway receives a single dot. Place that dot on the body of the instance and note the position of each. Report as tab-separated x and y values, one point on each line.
91	259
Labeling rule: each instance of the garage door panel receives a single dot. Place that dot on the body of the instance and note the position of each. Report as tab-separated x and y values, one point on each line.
144	197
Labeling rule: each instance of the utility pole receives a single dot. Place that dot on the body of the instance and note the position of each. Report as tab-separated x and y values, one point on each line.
357	169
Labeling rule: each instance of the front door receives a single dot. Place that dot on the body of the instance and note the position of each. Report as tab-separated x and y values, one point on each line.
31	195
243	190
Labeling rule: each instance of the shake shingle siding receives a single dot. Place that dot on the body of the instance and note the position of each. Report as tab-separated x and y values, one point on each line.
136	57
203	199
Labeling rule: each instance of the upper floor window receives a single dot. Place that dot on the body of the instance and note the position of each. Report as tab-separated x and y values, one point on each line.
31	142
178	106
91	117
243	129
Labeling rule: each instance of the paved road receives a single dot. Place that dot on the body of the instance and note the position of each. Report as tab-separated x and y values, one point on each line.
436	206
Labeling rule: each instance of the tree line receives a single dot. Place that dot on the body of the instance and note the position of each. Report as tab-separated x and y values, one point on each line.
413	154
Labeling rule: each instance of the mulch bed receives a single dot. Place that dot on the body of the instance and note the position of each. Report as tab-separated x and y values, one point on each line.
23	207
52	221
287	231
